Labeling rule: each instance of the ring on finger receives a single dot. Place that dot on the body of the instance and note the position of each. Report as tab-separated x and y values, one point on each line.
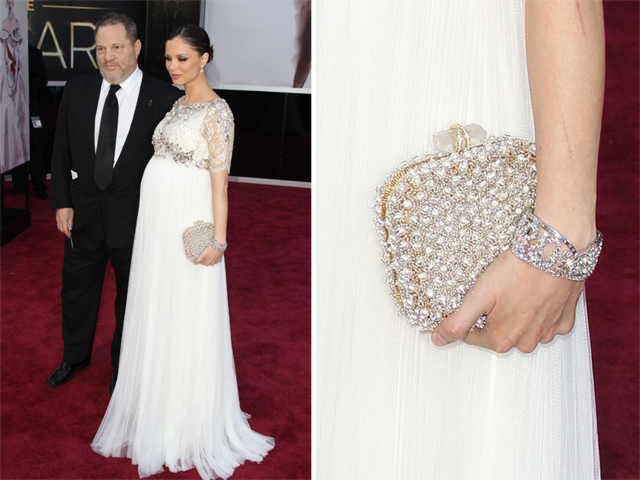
480	323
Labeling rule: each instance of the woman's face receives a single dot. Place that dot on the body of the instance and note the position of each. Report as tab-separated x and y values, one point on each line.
182	61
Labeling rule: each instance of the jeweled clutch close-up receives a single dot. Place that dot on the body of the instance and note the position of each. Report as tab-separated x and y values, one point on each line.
443	217
197	238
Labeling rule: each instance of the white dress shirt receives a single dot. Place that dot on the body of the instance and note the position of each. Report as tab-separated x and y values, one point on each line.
127	97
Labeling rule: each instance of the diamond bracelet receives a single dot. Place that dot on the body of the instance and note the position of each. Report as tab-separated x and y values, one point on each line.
216	245
546	249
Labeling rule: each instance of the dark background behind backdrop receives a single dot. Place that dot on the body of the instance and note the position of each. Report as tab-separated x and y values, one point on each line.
273	130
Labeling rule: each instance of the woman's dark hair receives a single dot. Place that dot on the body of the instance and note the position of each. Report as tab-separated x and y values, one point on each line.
196	37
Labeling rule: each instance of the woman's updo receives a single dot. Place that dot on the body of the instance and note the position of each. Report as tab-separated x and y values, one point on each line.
196	37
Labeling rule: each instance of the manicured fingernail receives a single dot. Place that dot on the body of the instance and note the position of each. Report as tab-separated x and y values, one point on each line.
438	339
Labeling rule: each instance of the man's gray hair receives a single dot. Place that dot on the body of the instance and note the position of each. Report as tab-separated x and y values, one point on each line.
117	18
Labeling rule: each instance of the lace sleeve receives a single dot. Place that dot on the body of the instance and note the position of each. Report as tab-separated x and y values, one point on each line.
218	131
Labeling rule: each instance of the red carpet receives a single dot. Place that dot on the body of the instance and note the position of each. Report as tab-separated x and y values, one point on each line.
612	292
46	431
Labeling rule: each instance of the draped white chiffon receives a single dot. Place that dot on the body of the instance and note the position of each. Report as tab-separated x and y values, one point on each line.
176	400
390	405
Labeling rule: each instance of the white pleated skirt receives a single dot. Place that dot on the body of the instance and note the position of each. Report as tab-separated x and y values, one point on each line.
389	404
176	400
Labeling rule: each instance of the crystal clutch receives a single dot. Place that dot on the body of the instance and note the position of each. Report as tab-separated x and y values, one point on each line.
197	238
443	217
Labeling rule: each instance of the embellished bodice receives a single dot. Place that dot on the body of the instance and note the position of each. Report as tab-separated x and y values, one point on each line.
197	135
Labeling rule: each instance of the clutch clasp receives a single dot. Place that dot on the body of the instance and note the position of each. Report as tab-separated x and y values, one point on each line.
459	138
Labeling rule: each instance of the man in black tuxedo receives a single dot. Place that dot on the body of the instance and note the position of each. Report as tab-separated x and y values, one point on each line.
101	148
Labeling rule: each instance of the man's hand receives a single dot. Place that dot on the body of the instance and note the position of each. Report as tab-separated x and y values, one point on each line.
64	219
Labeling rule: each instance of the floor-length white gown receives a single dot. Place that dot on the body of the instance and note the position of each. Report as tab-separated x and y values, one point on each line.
390	405
176	400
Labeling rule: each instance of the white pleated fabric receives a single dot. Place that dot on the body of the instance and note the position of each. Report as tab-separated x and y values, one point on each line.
390	405
176	400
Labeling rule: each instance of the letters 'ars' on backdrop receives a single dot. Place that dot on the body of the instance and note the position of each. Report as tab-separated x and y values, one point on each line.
259	44
14	85
63	31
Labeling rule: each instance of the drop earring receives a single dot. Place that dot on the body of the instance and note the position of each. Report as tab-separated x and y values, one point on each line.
202	70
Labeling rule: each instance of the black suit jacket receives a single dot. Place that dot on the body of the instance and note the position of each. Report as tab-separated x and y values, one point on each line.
110	215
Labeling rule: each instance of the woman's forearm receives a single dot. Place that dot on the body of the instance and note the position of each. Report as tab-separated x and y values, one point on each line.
220	206
565	59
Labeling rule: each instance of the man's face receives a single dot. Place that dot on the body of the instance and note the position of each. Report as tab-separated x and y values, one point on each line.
117	57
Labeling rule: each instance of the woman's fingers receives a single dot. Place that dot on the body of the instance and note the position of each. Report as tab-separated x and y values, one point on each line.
202	258
456	326
531	307
209	257
217	257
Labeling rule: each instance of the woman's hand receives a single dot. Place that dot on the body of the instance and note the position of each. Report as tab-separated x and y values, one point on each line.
209	257
524	307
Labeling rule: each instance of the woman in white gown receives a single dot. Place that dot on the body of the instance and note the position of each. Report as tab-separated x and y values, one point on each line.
176	400
391	404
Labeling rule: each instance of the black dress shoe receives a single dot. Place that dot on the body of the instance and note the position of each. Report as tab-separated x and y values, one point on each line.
41	193
65	372
13	190
112	383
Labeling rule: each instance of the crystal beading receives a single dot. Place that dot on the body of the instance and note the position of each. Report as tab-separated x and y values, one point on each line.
216	245
179	135
443	217
197	238
546	249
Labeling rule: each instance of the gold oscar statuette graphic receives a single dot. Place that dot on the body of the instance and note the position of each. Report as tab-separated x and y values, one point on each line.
82	49
58	52
49	30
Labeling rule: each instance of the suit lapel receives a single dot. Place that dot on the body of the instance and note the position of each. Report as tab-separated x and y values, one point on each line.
142	112
93	95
